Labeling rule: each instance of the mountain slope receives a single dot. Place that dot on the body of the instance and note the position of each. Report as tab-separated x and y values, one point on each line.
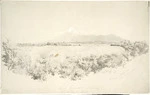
72	37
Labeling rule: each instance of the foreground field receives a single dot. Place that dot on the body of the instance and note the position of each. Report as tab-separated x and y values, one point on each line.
133	75
61	52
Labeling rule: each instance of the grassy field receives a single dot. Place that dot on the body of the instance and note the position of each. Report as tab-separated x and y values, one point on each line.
71	51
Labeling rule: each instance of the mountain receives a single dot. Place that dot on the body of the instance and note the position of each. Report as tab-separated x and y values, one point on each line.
73	36
70	37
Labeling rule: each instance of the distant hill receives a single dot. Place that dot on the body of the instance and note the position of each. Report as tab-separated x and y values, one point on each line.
69	39
72	37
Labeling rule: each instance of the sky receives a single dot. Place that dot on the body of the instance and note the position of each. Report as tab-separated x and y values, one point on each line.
42	21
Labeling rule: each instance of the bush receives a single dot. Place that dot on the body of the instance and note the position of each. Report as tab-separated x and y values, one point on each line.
9	55
133	48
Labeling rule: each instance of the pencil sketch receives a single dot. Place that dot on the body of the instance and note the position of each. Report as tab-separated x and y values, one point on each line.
65	64
73	53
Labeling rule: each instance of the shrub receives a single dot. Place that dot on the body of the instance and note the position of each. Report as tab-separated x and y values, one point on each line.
9	55
133	48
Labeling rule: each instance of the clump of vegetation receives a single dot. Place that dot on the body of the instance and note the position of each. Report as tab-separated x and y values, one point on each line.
10	56
133	48
13	59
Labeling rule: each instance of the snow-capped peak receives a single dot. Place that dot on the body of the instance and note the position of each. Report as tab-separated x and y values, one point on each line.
72	30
